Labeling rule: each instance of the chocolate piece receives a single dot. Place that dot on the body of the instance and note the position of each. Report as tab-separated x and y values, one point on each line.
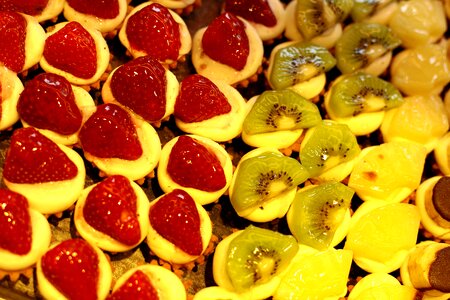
439	274
441	197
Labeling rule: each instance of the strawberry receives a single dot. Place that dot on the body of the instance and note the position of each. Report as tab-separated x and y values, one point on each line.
199	99
141	86
33	158
110	133
12	40
137	286
48	102
98	8
192	165
72	50
15	223
175	217
73	268
111	208
257	11
154	31
29	7
226	41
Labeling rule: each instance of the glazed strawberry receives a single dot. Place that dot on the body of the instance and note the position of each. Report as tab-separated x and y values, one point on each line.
48	102
33	158
138	286
111	208
15	223
226	41
199	99
141	86
192	165
72	49
154	31
12	40
73	268
257	11
110	133
29	7
99	8
175	217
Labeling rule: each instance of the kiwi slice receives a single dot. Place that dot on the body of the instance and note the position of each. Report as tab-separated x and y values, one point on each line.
281	110
299	62
260	178
256	255
363	43
317	212
326	146
360	92
363	9
314	17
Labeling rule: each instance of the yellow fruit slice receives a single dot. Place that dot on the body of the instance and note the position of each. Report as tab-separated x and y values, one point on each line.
388	172
381	286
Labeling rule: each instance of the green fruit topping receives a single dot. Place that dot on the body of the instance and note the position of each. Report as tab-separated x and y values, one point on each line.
281	110
256	255
299	62
363	9
317	212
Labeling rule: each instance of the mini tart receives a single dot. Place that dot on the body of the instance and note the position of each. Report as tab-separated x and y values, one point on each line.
426	269
185	36
102	24
103	240
170	252
44	11
327	39
86	105
431	219
11	87
200	196
221	128
166	283
208	67
441	154
102	54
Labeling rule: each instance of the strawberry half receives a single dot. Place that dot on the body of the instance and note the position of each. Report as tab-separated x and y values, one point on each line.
48	102
33	158
73	268
15	223
72	49
257	11
111	206
154	31
175	217
199	99
110	133
137	286
192	165
29	7
141	86
226	41
98	8
12	40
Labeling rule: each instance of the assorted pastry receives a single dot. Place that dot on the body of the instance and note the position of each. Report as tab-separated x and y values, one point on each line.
277	149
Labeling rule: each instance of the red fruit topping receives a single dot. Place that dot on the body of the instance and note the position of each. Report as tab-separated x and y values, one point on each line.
199	99
141	86
111	208
99	8
154	31
48	102
12	40
73	268
33	158
175	217
15	223
29	7
110	133
226	41
72	49
257	11
192	165
138	286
